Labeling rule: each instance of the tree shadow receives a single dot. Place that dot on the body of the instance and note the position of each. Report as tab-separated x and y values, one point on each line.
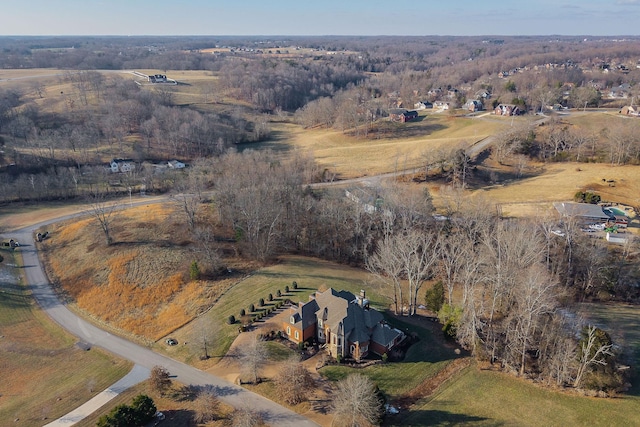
427	417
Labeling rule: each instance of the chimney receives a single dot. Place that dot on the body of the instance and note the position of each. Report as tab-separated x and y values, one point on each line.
361	300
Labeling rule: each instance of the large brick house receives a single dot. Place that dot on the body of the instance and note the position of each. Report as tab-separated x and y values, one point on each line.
343	322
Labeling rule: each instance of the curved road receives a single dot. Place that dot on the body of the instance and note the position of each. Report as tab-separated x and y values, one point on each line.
43	293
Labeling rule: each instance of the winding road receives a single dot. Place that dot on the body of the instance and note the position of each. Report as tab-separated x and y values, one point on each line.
88	333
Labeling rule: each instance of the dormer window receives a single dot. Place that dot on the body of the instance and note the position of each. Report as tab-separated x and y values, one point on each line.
320	322
292	320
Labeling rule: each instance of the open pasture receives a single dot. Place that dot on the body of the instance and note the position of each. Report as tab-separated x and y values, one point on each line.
351	157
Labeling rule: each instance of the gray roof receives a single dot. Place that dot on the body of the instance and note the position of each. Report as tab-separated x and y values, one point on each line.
583	210
384	334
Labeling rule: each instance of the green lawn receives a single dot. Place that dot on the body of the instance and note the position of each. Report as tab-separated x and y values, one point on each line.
309	273
484	398
424	360
44	375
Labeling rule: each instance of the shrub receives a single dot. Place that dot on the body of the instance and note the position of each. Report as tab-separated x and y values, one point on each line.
434	297
261	302
295	285
243	312
301	346
252	308
270	297
587	197
286	289
194	271
385	357
231	320
278	293
339	358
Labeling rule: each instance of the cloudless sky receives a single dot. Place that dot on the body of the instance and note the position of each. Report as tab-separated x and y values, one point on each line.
319	17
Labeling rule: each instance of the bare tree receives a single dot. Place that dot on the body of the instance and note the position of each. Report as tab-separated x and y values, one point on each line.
294	382
356	402
385	265
418	256
246	417
202	337
452	252
159	379
534	298
208	246
207	406
103	211
593	351
252	356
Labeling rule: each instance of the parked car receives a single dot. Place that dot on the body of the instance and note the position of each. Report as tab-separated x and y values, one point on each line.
171	341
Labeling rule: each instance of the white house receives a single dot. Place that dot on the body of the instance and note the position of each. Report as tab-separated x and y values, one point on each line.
175	164
122	165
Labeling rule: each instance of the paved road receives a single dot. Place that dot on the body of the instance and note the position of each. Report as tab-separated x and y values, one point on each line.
86	332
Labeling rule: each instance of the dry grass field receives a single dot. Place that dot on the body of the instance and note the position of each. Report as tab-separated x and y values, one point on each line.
351	157
560	181
141	283
44	375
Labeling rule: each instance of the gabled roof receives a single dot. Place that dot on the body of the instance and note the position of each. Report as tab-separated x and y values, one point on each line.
304	315
585	210
383	334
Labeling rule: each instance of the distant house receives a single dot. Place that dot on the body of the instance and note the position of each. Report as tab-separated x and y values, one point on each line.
507	110
474	105
344	323
452	93
370	202
622	91
158	78
422	105
402	115
484	94
175	164
630	110
441	105
583	212
122	165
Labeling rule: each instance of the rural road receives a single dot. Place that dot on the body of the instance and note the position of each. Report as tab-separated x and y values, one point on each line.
86	332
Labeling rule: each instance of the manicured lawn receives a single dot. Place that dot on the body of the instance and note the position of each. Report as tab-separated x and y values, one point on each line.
309	273
423	360
484	398
44	375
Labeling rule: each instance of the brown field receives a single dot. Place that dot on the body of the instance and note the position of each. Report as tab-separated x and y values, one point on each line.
560	182
352	157
44	374
139	284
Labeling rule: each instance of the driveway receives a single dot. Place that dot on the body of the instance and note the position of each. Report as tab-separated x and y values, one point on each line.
86	332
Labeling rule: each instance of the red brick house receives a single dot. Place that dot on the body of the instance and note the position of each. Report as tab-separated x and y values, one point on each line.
344	323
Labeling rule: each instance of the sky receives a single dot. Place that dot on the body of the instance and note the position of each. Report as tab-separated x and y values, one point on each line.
320	17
